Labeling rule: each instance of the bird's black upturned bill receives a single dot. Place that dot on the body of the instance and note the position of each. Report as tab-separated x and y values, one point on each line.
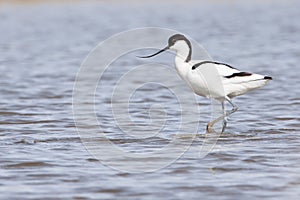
160	51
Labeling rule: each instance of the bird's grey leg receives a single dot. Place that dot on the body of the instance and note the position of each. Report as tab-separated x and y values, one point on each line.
210	125
222	117
234	107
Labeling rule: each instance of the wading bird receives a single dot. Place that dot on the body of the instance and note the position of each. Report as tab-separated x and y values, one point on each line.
234	82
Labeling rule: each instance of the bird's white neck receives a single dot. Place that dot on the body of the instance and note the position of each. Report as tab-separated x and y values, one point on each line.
183	51
183	56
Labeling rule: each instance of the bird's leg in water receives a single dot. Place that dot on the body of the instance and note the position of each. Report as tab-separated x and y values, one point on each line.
210	125
225	117
234	107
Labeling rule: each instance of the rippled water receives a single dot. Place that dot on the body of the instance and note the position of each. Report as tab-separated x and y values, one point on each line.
42	157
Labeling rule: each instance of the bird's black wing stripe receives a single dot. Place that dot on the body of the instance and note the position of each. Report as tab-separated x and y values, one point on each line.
212	62
239	74
268	78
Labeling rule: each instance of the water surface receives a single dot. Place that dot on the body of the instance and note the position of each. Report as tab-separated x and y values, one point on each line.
42	157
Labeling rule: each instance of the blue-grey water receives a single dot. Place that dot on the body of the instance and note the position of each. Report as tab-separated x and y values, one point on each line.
41	49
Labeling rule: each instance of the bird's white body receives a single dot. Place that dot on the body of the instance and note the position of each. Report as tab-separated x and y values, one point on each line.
193	78
231	87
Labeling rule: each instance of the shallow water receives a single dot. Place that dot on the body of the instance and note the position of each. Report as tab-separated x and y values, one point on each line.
42	47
